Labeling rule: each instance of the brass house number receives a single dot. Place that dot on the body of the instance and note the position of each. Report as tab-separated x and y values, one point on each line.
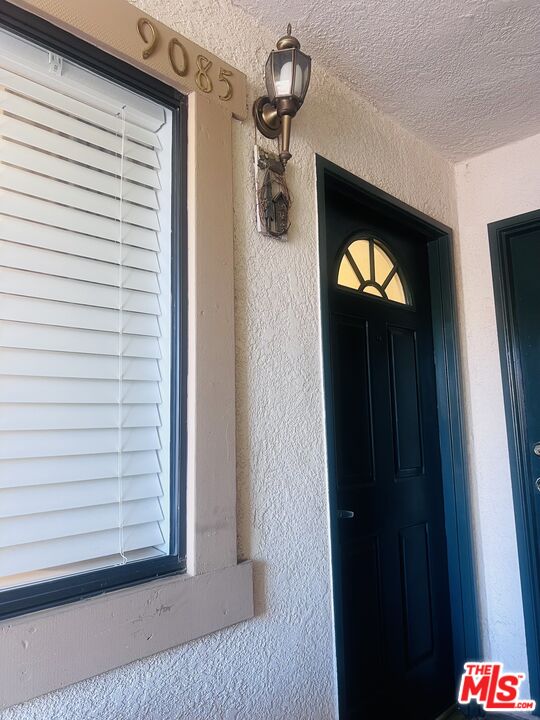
180	61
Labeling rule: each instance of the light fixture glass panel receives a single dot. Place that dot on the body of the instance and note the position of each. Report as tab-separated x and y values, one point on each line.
269	77
298	79
303	71
283	73
347	276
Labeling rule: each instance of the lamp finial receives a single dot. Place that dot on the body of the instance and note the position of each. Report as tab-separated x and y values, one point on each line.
288	41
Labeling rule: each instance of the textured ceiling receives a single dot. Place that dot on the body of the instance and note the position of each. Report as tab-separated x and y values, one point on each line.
464	75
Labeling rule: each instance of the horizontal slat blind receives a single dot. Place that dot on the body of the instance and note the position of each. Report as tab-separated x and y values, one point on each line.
84	326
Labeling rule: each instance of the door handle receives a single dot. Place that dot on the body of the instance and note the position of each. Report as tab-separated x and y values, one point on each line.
345	514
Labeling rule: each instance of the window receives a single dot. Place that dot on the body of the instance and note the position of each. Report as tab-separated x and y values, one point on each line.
216	591
367	267
91	372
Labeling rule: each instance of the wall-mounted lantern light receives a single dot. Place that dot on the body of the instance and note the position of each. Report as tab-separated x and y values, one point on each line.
287	79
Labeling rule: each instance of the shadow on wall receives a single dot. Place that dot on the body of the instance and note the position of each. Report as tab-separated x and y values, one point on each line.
259	588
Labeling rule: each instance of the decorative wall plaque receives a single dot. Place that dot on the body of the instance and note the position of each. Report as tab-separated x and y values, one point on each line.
273	199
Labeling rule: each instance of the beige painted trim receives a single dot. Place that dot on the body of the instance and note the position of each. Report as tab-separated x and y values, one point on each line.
54	648
112	26
211	369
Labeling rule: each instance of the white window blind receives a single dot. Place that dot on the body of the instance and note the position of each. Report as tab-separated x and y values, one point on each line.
85	318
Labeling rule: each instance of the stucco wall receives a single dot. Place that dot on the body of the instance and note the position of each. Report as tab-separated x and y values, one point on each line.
279	665
490	187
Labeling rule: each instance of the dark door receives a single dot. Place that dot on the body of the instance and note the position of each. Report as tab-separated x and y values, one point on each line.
515	246
391	547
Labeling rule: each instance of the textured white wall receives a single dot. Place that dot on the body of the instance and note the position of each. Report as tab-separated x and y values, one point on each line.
490	187
279	665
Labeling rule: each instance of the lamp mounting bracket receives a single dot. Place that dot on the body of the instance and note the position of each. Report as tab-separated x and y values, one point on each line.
266	118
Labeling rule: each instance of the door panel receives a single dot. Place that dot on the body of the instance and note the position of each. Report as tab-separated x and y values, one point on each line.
355	452
391	540
416	589
406	412
370	652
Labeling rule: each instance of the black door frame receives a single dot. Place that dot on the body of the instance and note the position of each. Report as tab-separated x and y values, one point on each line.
514	403
463	600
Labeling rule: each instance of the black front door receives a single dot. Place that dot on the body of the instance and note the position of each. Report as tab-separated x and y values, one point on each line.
515	247
390	545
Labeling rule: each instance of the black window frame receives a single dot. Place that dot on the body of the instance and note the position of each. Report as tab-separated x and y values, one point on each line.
44	594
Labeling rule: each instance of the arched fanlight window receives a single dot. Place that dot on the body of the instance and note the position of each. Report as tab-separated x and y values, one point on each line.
366	266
